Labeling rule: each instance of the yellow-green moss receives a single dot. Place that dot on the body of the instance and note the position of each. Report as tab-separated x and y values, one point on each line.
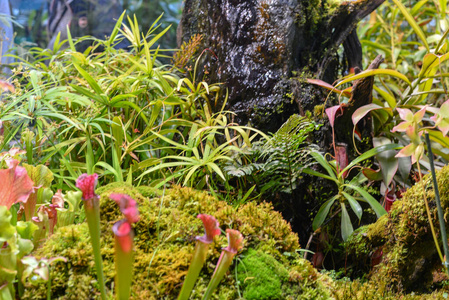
164	243
371	290
409	252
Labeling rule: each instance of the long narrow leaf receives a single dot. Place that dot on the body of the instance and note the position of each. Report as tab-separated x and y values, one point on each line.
412	23
346	225
354	205
366	197
323	212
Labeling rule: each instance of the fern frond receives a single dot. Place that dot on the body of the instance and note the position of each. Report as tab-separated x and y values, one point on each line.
277	163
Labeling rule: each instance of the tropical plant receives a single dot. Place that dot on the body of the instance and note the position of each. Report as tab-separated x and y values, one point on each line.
274	163
414	42
348	191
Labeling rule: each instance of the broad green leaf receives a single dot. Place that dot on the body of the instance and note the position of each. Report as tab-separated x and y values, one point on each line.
366	197
387	96
118	134
324	163
40	175
374	175
346	225
387	160
354	205
26	229
7	231
323	212
371	153
437	136
315	173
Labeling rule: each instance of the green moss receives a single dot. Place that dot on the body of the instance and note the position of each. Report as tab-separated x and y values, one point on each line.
262	275
164	243
318	111
409	252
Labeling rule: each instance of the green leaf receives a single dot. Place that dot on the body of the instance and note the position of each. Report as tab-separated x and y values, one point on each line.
437	136
26	229
315	173
323	212
366	197
391	100
412	23
324	163
118	134
346	225
7	231
93	84
364	110
354	205
387	160
40	175
371	153
374	175
69	38
368	73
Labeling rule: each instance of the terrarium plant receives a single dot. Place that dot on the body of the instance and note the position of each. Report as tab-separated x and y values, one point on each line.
349	191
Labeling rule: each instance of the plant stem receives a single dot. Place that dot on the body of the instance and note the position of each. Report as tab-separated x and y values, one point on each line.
92	208
124	258
199	257
49	283
435	239
223	265
440	209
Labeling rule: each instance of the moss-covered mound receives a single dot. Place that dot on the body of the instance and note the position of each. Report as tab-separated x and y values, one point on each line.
405	238
164	243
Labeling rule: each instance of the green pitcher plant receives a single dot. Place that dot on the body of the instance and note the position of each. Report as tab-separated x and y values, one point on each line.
349	191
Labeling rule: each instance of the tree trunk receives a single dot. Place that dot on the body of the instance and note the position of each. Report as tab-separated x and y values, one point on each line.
263	51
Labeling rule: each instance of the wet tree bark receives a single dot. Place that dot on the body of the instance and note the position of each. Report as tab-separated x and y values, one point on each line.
262	47
263	51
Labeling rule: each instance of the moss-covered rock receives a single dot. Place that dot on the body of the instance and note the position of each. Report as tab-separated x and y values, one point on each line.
164	244
409	251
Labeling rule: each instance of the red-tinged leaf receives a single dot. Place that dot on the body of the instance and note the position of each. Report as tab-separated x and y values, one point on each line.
374	175
405	114
134	156
357	132
323	84
364	110
331	113
6	86
15	184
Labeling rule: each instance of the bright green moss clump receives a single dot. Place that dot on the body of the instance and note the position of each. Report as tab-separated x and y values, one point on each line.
164	243
263	276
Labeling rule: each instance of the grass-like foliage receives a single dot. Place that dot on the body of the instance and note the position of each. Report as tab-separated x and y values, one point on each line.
121	113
